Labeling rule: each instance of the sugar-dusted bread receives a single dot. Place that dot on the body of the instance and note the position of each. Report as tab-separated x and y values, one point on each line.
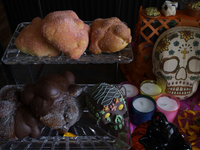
31	41
16	120
67	32
108	35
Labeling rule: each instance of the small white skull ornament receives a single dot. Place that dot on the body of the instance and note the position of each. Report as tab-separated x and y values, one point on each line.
169	8
176	61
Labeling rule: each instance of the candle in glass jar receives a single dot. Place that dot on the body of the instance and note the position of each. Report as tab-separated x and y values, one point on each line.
131	90
143	104
151	88
143	107
167	103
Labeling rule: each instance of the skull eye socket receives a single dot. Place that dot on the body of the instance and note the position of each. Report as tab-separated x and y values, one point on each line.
170	65
194	65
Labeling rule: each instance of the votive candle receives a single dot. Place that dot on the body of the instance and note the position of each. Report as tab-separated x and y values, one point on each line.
168	105
131	90
150	88
143	107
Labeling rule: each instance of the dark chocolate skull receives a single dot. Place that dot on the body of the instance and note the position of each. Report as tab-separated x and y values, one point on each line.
108	106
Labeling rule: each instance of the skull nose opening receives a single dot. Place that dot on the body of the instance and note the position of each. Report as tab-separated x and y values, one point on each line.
181	74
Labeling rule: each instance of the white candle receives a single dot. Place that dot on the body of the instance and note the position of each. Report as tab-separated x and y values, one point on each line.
167	103
131	90
150	88
143	104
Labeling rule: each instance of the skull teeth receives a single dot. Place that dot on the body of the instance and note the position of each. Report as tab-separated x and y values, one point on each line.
179	90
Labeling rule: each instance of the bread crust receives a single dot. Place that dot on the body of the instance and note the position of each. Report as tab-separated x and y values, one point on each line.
108	35
31	41
65	31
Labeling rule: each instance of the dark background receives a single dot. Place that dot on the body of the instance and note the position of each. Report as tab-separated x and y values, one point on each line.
18	11
13	12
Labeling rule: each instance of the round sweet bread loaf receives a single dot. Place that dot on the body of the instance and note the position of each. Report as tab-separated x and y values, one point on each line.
108	35
65	31
31	41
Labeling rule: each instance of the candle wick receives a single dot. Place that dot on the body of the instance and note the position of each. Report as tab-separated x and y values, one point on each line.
141	103
164	104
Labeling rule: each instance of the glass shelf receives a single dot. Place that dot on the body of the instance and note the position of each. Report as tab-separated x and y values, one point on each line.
90	135
13	55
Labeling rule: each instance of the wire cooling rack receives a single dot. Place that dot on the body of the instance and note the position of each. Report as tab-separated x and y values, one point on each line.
12	55
90	135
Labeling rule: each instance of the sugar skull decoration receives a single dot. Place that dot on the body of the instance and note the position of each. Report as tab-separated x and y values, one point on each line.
176	61
169	8
108	106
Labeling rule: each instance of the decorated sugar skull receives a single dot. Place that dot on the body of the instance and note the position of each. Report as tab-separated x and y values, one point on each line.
108	106
176	61
169	8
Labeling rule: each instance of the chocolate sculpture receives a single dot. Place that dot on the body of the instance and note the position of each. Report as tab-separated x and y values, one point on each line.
108	106
53	99
159	134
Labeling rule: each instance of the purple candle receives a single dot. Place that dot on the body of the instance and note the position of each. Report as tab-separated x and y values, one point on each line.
130	90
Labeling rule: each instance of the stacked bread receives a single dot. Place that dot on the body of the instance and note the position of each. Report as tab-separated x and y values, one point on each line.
51	101
64	31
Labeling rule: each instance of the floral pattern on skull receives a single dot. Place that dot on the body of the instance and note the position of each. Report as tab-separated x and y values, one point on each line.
176	61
